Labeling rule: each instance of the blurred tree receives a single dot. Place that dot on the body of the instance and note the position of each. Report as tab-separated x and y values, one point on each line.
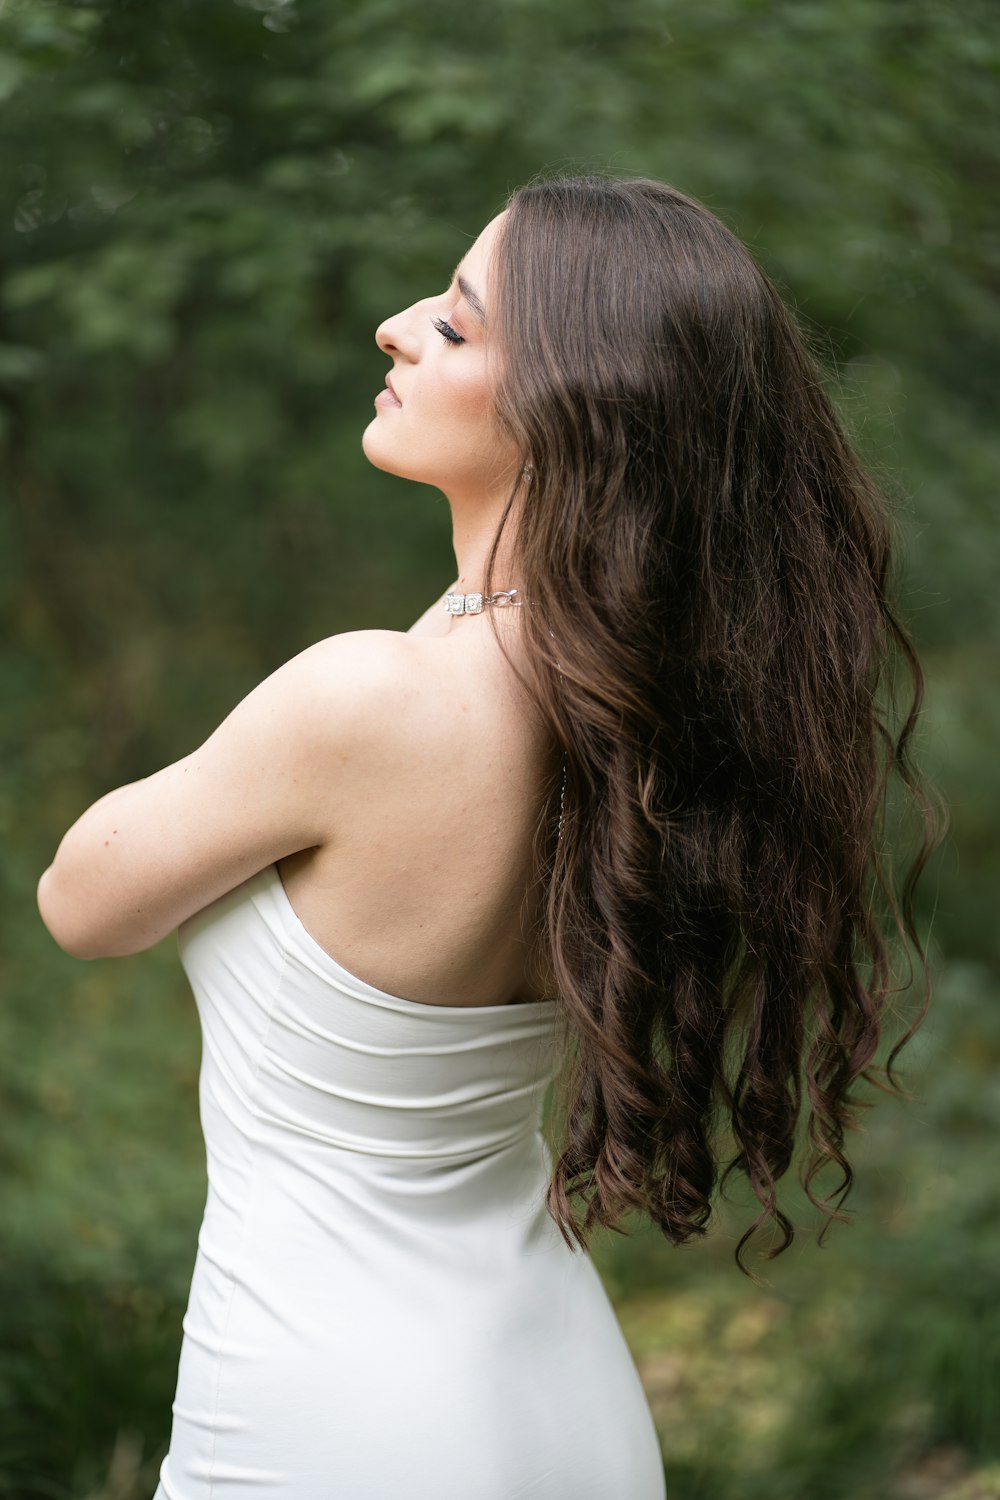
210	206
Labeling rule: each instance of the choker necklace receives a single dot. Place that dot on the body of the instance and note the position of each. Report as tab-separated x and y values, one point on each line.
472	604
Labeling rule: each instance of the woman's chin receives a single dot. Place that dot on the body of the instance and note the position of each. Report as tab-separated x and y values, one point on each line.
380	456
374	450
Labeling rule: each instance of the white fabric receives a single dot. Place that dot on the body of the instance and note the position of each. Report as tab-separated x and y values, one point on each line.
381	1307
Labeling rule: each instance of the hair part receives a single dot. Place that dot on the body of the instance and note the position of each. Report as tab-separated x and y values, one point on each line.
710	630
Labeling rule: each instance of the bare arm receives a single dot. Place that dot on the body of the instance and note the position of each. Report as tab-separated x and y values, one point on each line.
150	854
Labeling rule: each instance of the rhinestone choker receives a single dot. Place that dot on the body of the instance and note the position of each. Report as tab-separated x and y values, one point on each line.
472	604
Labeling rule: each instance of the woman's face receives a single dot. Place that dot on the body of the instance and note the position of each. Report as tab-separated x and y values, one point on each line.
434	421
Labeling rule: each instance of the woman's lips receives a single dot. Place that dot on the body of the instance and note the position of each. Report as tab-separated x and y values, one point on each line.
387	397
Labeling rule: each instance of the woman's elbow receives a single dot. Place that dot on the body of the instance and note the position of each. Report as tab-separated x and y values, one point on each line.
62	916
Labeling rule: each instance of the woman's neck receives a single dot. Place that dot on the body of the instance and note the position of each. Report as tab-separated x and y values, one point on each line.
472	537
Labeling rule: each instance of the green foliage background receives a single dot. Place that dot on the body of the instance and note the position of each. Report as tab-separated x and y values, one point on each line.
209	205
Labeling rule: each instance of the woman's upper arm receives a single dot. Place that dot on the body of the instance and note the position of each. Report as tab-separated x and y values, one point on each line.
150	854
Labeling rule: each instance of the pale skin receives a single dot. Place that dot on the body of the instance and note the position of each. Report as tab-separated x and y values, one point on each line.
393	777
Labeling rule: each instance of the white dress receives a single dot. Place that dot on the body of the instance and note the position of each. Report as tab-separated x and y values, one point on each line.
381	1307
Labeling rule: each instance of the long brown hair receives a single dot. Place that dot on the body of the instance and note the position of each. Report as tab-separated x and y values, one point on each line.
706	562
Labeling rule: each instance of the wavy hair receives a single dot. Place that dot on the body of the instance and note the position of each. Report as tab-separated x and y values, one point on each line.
706	562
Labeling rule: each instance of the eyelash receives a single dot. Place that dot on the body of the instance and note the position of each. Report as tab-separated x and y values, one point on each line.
447	332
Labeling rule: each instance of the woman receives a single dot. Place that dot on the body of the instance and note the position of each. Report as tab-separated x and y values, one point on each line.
620	827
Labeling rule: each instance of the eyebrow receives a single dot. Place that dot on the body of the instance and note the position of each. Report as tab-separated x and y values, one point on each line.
474	300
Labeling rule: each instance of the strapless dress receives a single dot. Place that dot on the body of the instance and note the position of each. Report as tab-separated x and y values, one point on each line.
381	1306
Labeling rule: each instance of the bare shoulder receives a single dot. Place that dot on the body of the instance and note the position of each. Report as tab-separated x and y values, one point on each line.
384	690
354	662
364	681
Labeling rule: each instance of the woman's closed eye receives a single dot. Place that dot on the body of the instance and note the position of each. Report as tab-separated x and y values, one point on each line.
447	332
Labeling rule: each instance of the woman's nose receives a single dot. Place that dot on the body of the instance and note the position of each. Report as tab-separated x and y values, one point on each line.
394	335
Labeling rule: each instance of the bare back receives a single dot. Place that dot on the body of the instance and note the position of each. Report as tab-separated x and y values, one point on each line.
425	887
